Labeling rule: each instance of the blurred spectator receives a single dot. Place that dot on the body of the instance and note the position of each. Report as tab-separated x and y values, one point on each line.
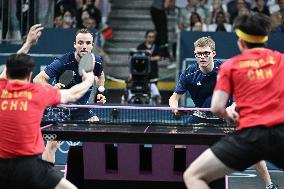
181	3
252	3
89	23
278	16
68	20
61	6
58	21
45	13
234	6
79	4
215	7
272	6
13	28
184	15
281	6
202	9
243	11
280	28
84	16
220	23
196	23
160	20
261	7
4	18
151	47
25	14
105	7
198	26
94	12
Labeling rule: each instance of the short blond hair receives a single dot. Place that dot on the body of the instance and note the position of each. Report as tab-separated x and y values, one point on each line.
205	42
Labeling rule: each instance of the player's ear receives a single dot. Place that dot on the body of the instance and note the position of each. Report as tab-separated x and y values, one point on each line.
242	44
30	77
214	53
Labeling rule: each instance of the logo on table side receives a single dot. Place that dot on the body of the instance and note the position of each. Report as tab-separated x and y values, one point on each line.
198	83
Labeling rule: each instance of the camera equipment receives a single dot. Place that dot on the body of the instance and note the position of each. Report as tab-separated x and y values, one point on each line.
140	64
139	85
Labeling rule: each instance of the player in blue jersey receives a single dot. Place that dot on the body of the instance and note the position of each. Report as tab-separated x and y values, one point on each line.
70	61
199	80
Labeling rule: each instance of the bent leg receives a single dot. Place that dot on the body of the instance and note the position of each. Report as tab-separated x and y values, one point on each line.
205	169
49	152
261	169
65	184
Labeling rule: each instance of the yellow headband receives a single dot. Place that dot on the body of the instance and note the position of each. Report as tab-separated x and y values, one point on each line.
251	38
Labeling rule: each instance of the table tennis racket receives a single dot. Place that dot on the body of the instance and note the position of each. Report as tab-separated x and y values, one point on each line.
87	63
66	77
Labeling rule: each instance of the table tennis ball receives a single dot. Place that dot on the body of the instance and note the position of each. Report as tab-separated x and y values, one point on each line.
101	89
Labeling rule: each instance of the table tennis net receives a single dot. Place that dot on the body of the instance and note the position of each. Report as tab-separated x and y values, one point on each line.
128	115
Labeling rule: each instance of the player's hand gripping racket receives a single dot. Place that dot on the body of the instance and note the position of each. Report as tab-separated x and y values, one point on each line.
66	78
87	63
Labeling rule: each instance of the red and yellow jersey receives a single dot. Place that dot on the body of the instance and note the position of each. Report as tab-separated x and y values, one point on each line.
21	108
256	80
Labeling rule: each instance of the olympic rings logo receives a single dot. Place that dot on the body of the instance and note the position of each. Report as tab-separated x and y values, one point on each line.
49	137
65	148
61	147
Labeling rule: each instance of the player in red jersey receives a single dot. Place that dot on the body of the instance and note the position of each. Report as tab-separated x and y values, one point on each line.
254	78
21	109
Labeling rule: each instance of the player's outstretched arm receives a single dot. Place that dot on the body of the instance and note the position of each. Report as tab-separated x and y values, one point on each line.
218	104
173	101
100	98
232	113
77	91
32	37
101	80
41	78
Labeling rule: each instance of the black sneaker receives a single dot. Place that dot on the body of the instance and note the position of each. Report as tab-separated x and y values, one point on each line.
272	186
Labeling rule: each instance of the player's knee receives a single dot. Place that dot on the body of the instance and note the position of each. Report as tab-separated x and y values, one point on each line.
52	146
65	184
189	176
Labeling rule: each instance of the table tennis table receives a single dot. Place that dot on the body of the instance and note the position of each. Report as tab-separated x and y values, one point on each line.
128	138
153	134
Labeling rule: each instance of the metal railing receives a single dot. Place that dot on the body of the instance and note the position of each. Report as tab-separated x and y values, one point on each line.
17	16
